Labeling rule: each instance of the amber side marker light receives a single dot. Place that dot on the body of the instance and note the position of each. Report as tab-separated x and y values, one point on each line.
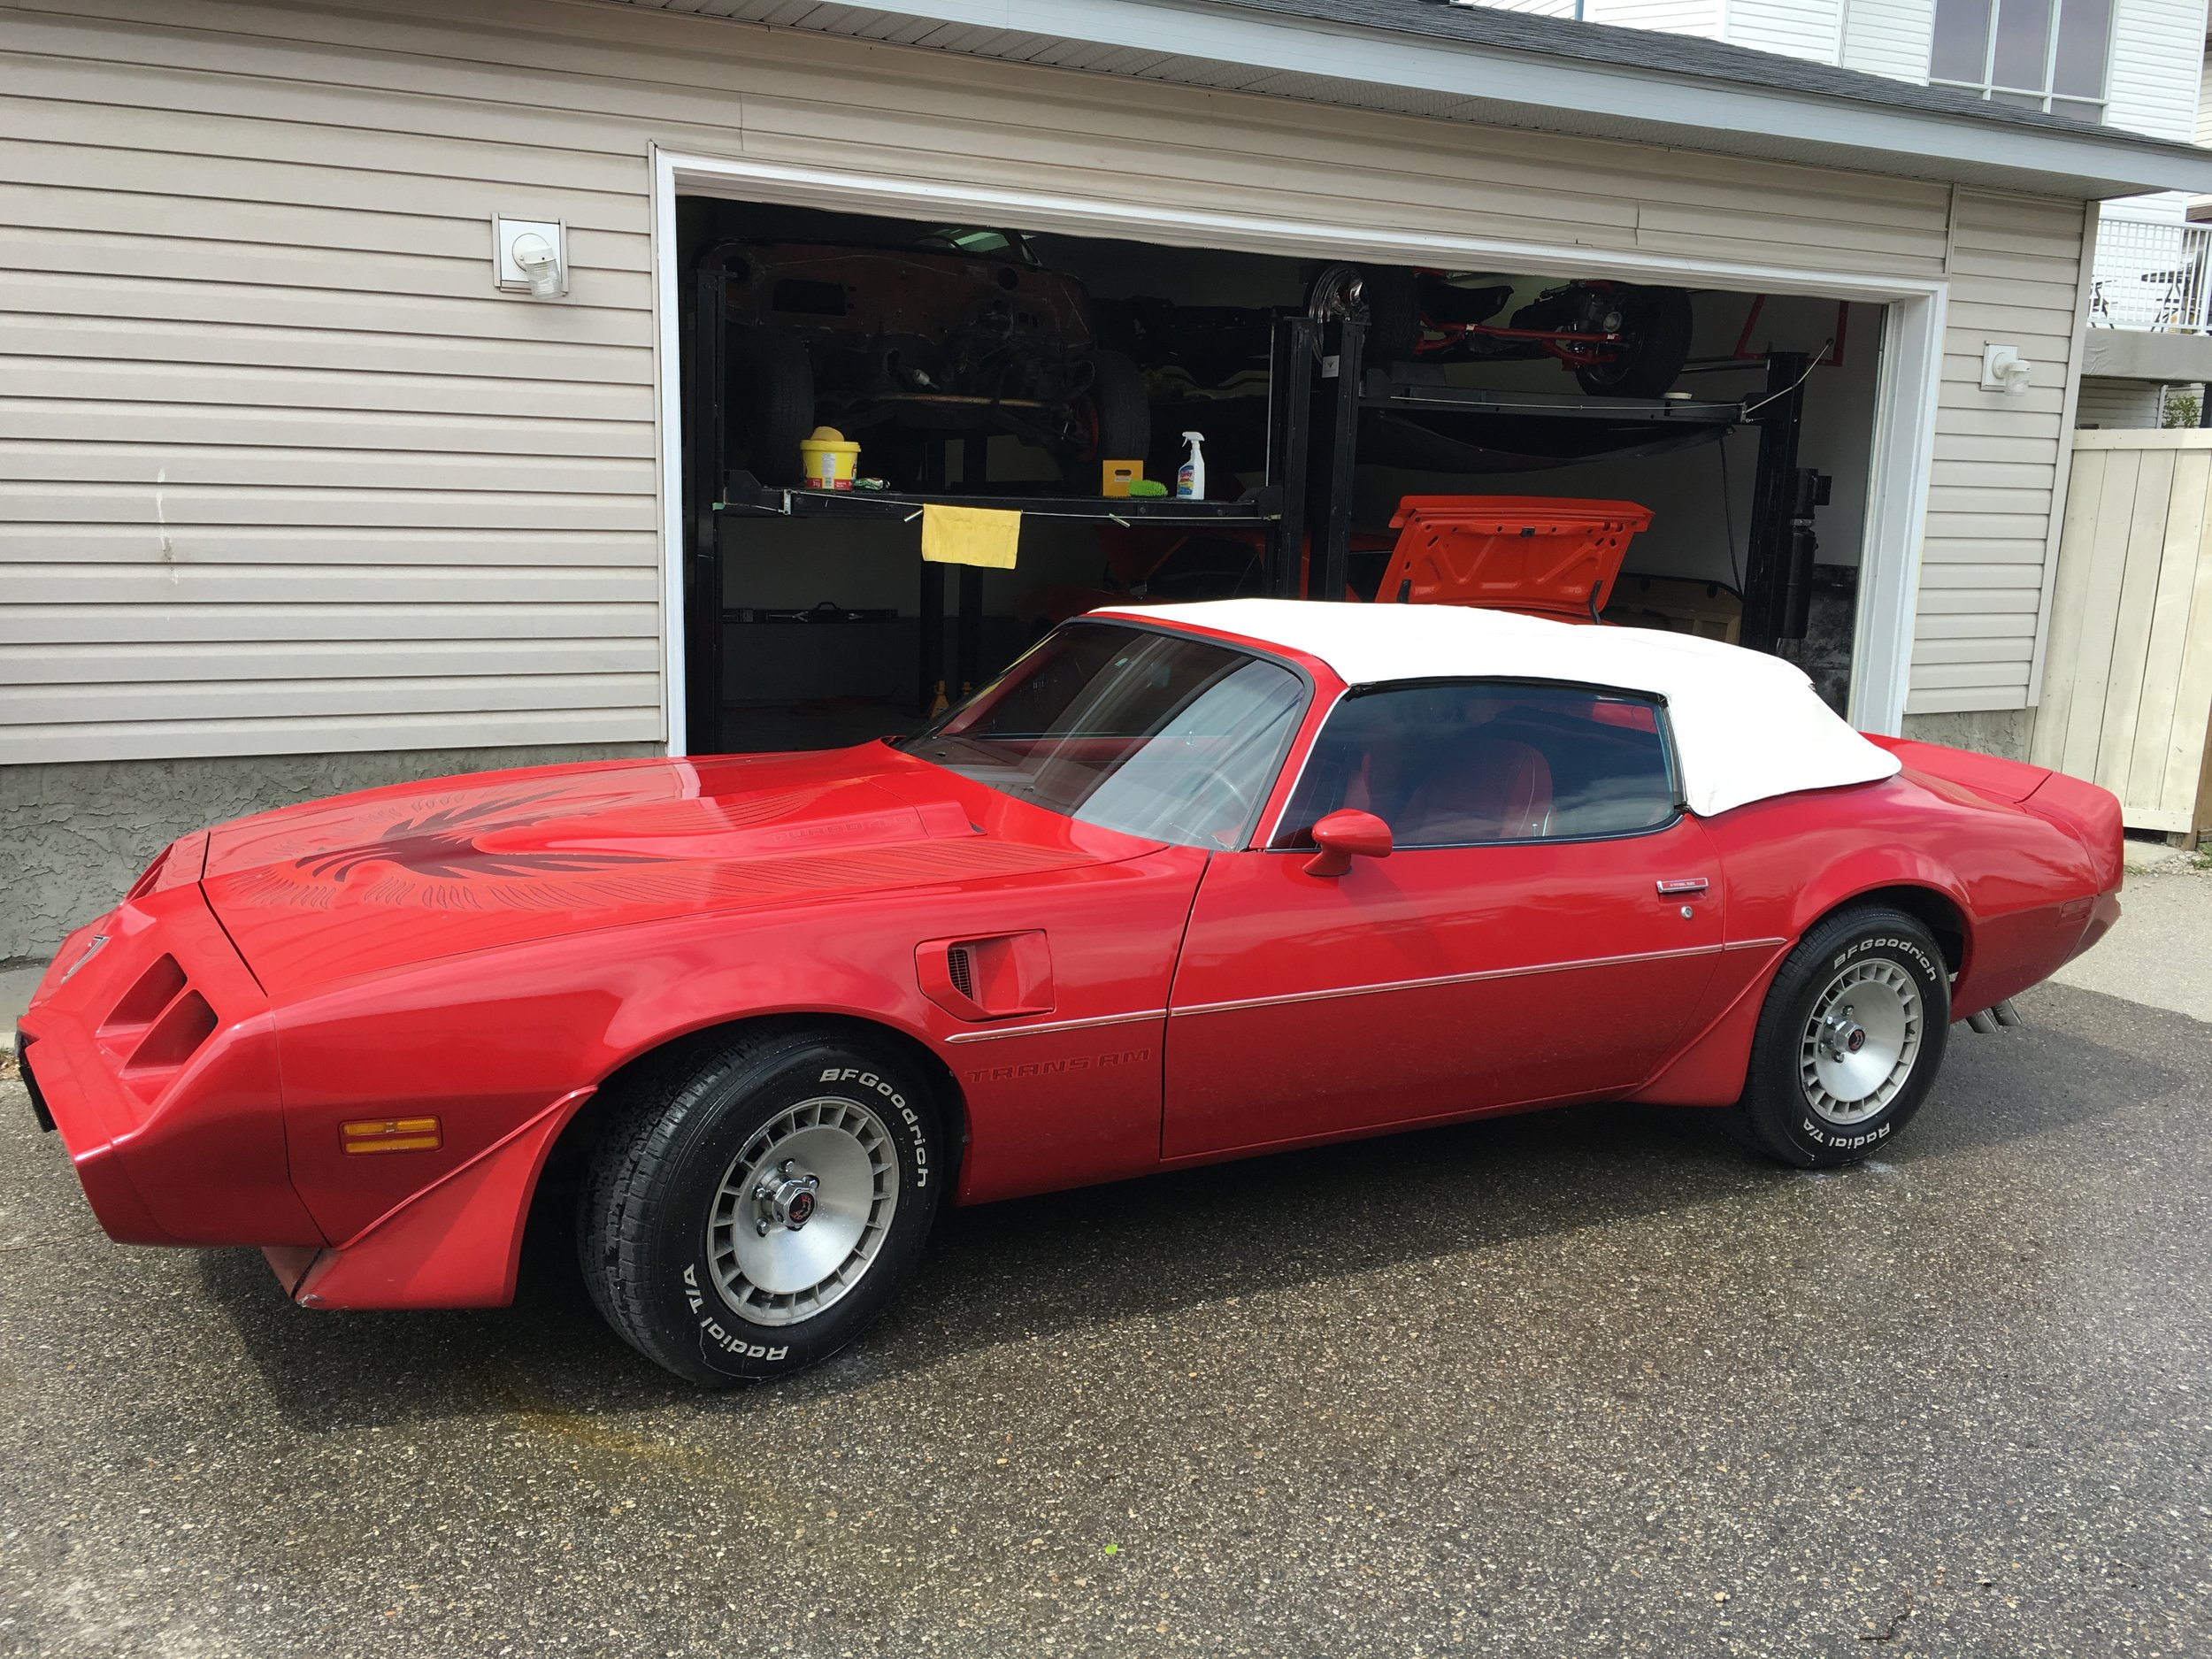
392	1134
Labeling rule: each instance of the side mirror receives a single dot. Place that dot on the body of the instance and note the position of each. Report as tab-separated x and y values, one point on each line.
1344	835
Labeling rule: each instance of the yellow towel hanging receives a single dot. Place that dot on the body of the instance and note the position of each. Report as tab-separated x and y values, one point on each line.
970	535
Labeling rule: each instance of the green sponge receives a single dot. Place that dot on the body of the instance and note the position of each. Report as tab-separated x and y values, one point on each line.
1147	487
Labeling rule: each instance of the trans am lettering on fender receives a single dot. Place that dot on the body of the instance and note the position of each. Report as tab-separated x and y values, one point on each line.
1053	1068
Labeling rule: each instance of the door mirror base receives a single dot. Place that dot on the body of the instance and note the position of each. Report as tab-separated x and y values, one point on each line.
1344	835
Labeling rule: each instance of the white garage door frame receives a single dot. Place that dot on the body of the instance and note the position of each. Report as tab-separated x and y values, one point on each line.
1903	438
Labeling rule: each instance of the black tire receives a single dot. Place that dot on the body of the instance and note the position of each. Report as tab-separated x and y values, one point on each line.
1790	1117
1657	344
654	1221
770	404
1113	415
1393	294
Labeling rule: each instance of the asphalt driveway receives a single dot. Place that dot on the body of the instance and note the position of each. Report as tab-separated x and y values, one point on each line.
1589	1382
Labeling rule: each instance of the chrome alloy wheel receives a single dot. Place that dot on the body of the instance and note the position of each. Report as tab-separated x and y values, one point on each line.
803	1210
1860	1041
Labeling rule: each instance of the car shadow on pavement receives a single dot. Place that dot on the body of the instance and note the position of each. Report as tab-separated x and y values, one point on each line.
1007	1272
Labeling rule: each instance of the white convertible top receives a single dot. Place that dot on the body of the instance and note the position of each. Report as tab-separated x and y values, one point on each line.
1746	725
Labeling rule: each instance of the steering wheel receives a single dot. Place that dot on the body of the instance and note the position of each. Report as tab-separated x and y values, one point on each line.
1237	812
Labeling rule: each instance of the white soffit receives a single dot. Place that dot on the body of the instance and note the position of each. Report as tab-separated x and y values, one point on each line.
1277	50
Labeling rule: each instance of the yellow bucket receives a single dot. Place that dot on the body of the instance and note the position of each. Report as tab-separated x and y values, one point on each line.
828	460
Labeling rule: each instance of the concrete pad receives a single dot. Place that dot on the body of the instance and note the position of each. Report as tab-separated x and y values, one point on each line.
1589	1382
2160	952
2154	856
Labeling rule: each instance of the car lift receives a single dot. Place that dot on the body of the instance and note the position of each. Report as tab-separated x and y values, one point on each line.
1317	442
1318	384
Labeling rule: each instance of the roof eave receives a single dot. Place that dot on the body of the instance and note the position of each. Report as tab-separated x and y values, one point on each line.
1220	45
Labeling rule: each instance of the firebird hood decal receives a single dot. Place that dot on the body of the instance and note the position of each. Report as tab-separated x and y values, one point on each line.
443	842
368	883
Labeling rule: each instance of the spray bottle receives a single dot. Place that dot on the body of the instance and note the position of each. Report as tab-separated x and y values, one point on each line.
1190	480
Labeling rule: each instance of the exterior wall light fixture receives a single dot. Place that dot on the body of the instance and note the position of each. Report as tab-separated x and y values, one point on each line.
2005	370
531	257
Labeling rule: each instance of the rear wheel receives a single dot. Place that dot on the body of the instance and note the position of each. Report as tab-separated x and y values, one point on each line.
752	1212
1394	325
1849	1042
1655	345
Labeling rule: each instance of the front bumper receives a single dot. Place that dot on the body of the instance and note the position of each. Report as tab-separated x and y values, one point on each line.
42	1112
149	1047
121	1213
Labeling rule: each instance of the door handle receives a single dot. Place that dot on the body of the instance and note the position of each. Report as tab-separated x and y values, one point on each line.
1681	886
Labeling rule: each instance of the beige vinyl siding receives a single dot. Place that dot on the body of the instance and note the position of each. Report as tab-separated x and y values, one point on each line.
2015	266
2117	404
280	471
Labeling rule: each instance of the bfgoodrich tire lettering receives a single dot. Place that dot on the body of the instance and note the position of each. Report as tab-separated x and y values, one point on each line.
752	1212
1849	1040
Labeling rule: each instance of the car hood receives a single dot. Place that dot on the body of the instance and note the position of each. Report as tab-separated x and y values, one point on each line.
364	883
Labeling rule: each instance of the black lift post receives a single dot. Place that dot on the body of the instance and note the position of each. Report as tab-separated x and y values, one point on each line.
1339	311
1295	349
706	449
1778	565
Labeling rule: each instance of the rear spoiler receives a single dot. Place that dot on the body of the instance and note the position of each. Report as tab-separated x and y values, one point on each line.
2090	814
2094	815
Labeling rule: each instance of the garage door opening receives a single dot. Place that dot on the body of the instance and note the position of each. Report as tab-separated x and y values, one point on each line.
1345	409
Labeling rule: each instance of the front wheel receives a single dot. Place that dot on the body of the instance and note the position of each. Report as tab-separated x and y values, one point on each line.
1849	1040
753	1211
1112	419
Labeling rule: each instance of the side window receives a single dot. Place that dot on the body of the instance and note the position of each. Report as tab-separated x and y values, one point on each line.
1463	764
2048	54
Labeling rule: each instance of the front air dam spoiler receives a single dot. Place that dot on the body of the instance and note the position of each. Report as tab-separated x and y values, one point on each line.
458	1245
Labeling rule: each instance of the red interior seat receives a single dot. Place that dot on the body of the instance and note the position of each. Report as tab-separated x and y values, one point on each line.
1483	789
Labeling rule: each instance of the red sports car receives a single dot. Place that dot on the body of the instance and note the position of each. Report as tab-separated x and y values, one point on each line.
1183	885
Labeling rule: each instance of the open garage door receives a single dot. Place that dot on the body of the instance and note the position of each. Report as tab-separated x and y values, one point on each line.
848	377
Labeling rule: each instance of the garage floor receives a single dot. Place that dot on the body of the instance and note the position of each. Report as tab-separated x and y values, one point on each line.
1586	1382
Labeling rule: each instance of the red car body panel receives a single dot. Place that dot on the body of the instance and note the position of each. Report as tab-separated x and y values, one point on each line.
489	951
1426	961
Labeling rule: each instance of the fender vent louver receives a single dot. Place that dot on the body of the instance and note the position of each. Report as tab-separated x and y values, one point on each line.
987	978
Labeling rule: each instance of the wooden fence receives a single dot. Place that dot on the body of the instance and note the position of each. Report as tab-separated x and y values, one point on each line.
2127	683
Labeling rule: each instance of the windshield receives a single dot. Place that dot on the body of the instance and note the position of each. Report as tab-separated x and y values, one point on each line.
1001	245
1155	735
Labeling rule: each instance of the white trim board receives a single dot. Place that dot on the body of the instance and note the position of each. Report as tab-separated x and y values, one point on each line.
1903	434
668	437
2142	438
2062	480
